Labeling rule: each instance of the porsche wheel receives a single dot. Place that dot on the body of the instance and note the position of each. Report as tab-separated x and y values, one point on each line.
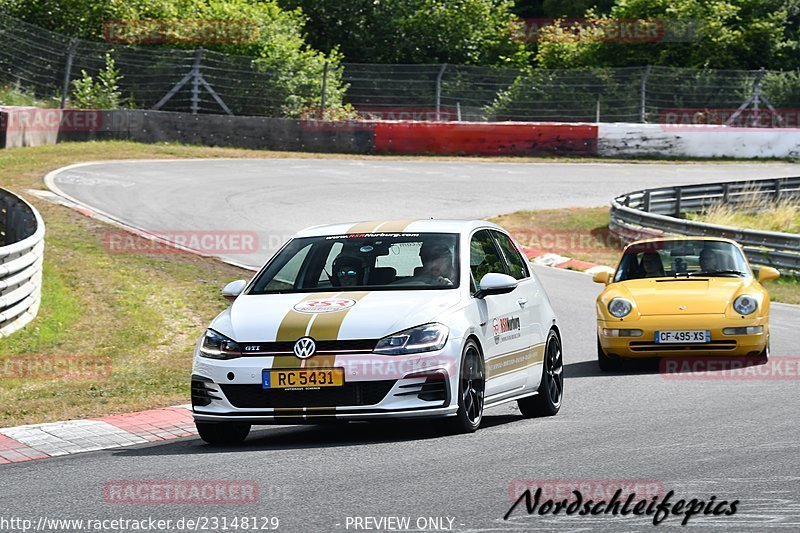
471	386
551	389
607	364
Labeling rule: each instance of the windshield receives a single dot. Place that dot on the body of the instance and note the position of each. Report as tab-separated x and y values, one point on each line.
681	258
376	261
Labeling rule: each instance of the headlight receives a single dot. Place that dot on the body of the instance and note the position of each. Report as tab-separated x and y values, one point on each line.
425	338
218	346
745	304
619	307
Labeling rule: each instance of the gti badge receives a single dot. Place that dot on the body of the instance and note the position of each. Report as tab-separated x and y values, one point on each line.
305	347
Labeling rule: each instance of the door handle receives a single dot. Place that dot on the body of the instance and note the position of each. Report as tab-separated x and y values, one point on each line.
522	302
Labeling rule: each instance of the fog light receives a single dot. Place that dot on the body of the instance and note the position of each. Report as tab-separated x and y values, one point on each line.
749	330
622	332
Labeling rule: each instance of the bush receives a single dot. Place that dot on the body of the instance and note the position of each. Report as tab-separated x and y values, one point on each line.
102	93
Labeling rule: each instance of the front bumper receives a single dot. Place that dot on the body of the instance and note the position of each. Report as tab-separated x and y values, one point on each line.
721	344
375	387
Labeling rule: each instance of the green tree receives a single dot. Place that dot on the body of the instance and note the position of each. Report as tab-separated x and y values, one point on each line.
259	28
473	32
100	93
728	34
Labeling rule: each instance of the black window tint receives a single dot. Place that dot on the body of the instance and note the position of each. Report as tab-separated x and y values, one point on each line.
516	264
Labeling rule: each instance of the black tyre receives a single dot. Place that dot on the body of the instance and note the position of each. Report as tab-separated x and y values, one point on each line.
551	389
471	386
223	433
607	364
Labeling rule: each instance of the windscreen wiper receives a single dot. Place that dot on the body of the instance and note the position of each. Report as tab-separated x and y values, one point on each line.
716	273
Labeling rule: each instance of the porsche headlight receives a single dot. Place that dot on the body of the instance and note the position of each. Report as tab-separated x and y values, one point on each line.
218	346
620	307
425	338
745	304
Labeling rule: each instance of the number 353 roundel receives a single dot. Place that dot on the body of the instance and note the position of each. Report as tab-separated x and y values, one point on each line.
324	305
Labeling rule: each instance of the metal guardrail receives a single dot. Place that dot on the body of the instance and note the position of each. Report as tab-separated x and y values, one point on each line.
21	254
655	212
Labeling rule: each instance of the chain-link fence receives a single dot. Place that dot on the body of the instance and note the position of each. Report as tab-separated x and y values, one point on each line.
202	81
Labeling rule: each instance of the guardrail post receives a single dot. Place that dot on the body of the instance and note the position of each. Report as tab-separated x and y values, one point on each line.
324	92
643	95
646	201
678	197
726	191
195	99
439	92
778	183
73	45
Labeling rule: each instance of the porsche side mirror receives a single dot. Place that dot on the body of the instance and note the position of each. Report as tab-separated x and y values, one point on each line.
768	273
495	283
233	289
603	275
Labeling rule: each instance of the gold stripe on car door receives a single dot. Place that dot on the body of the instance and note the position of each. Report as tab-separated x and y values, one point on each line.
513	361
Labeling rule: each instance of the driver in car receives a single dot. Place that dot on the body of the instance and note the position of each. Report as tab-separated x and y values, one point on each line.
348	271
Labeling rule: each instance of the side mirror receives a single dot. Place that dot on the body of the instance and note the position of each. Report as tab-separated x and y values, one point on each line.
494	283
233	289
603	275
768	273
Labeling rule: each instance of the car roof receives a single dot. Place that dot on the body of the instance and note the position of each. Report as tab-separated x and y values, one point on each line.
399	226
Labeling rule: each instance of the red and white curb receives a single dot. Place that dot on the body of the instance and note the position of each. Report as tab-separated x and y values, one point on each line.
39	441
542	258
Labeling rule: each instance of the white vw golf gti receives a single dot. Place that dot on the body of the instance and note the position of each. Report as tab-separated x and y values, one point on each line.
426	318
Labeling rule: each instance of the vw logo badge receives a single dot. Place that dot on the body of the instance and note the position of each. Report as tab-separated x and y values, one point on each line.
305	347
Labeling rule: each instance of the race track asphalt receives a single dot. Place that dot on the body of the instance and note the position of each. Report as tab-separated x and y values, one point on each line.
733	439
277	197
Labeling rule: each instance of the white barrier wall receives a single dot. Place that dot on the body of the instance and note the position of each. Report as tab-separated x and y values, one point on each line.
627	140
21	255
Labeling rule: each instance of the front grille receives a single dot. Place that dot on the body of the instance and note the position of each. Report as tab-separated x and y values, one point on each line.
713	346
350	394
323	347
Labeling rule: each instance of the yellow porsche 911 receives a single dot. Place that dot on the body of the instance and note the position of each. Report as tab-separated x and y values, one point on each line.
682	296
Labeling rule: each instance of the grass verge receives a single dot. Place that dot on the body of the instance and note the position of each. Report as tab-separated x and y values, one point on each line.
782	217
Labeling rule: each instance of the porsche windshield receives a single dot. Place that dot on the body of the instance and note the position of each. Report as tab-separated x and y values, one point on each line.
379	261
681	258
